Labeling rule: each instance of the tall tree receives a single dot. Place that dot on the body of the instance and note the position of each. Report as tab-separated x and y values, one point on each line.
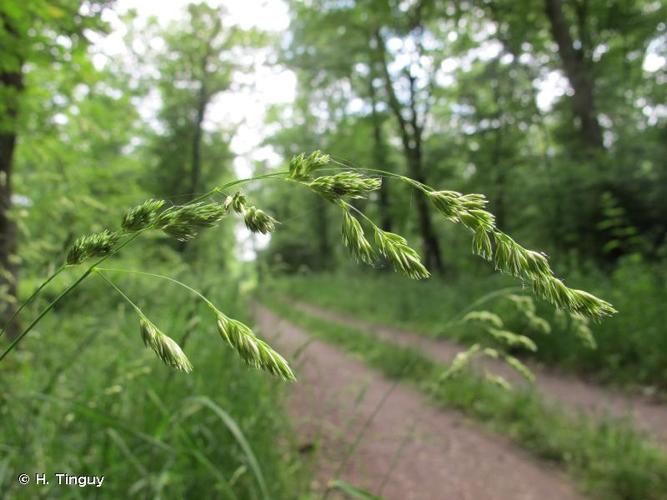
11	87
577	67
337	43
411	121
195	65
380	156
29	33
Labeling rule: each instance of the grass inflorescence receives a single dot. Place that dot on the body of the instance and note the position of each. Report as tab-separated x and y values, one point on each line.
488	240
185	222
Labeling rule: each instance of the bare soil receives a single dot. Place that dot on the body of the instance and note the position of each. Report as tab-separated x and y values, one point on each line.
565	390
408	449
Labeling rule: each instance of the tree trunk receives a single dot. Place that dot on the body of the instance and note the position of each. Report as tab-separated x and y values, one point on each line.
195	173
12	84
430	244
411	139
497	153
380	158
195	168
579	75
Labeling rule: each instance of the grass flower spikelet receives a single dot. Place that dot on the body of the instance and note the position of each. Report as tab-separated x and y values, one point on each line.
165	347
508	256
253	350
91	245
484	317
301	166
355	240
142	216
512	339
258	221
403	258
236	202
184	222
345	185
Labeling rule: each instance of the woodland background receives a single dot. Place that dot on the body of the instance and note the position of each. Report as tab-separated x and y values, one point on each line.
555	109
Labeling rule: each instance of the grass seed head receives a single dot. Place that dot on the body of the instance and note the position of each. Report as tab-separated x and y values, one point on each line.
447	203
184	223
355	240
484	317
165	347
509	257
512	339
519	367
481	244
253	350
92	245
402	257
591	306
142	216
236	202
345	185
460	361
498	381
258	221
301	166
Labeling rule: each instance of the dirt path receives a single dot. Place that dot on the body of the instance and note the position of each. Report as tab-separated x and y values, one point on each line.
575	394
409	449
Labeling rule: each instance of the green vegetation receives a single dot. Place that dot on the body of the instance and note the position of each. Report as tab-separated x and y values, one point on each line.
554	109
81	393
461	96
609	459
630	348
85	396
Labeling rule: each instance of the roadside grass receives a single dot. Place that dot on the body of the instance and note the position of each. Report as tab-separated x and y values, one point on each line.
84	396
631	346
608	459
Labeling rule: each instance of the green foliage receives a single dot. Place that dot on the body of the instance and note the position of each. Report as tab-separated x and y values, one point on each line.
455	89
151	431
351	490
628	348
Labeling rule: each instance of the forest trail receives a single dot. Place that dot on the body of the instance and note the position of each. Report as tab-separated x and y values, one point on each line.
564	390
408	449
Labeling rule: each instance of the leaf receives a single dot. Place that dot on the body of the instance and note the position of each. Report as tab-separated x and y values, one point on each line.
351	490
235	430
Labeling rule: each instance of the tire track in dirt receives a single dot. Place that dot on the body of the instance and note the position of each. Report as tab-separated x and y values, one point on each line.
565	390
409	450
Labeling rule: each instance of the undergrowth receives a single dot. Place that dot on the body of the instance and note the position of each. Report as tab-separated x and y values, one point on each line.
90	400
631	346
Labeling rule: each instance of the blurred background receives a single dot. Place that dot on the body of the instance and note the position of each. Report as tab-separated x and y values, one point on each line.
555	109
